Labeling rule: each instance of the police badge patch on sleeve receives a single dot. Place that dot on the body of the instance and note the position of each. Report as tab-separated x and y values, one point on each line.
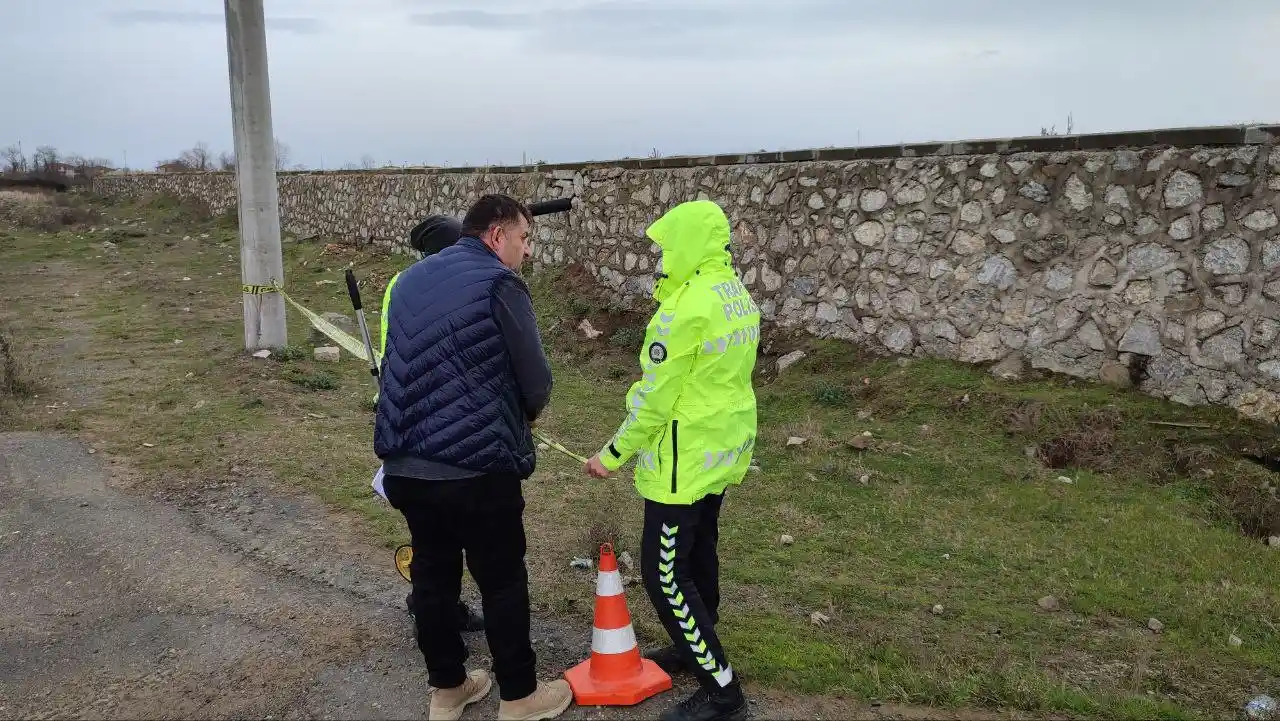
657	352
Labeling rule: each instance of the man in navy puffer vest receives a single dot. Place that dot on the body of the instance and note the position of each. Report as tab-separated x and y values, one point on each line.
463	377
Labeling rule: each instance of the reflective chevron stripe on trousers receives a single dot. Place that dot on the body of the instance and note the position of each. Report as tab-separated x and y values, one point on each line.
681	574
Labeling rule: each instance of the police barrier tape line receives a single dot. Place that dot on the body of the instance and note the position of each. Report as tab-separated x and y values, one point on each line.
349	343
355	347
542	437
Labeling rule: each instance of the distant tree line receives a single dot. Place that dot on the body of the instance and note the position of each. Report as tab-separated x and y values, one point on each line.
199	158
47	163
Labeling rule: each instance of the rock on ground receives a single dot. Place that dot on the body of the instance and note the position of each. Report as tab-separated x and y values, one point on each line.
328	354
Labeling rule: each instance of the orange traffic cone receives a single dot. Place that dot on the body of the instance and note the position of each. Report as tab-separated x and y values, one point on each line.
615	675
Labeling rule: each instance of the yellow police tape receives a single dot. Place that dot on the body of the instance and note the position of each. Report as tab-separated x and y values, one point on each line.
349	343
542	437
355	347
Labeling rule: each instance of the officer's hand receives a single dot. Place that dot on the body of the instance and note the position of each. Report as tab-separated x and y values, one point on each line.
595	468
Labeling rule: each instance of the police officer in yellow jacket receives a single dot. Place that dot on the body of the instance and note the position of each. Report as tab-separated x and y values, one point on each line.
429	237
691	426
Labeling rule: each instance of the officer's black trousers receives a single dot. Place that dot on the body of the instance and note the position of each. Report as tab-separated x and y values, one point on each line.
483	516
681	573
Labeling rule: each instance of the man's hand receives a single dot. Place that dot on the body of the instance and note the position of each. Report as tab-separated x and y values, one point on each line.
595	468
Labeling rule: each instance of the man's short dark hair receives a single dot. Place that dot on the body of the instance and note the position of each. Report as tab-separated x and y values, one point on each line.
491	209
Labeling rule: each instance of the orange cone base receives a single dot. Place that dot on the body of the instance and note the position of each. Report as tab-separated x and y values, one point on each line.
590	691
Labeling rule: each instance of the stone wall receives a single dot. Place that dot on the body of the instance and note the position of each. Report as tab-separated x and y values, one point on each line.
1076	254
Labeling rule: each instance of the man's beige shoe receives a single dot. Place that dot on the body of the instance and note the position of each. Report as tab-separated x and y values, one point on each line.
447	704
548	701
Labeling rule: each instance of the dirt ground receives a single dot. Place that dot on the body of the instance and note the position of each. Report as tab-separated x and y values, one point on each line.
230	599
235	601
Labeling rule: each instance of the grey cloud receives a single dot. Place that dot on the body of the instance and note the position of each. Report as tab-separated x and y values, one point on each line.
300	25
690	28
477	19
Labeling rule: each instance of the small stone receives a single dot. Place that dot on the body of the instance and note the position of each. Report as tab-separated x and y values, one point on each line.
870	234
1235	641
1066	479
1155	625
1260	220
864	479
1034	191
790	359
327	354
818	618
1009	369
1274	541
1182	189
1043	249
860	443
148	445
264	353
1143	338
1232	180
796	441
1103	273
998	271
588	330
582	563
910	193
1117	196
1213	217
966	243
937	609
816	202
1181	228
787	540
1049	603
872	199
625	560
1077	193
1115	374
1227	256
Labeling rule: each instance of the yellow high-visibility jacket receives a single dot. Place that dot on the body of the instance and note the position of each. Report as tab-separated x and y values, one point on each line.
691	419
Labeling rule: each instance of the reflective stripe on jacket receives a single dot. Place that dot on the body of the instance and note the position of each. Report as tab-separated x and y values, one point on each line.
691	418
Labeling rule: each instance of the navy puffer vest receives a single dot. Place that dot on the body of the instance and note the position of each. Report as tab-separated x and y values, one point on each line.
448	392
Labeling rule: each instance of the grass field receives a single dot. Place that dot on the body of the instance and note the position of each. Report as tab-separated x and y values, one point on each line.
933	508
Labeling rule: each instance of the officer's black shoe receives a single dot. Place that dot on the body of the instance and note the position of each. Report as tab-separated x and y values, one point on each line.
668	659
726	704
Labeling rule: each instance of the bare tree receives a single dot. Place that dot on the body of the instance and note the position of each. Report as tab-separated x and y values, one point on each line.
45	159
15	161
367	162
282	155
197	158
226	161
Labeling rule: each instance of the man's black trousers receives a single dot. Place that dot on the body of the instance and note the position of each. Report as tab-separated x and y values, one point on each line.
681	573
483	516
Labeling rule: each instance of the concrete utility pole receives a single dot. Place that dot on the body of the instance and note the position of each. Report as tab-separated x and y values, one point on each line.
261	263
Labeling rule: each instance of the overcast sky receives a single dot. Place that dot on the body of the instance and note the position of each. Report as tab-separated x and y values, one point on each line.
491	81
